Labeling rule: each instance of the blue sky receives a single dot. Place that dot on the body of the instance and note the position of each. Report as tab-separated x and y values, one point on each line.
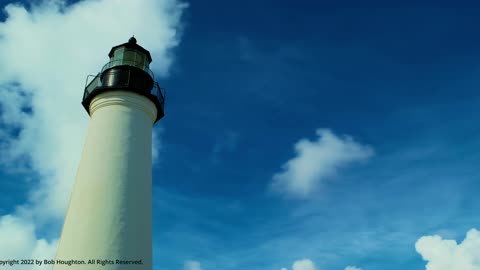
396	88
402	80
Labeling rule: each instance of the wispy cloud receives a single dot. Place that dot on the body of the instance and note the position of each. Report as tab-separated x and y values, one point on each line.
192	265
315	161
304	264
227	142
157	146
46	53
307	264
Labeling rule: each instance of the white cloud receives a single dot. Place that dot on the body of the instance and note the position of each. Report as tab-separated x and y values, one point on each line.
18	240
45	54
317	160
192	265
304	264
307	264
443	254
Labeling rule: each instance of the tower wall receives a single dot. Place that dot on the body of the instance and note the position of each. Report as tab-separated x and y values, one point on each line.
110	211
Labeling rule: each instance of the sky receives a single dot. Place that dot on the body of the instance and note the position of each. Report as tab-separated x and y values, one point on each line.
296	136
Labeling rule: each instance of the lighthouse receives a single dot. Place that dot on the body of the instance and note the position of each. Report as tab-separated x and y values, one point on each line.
108	224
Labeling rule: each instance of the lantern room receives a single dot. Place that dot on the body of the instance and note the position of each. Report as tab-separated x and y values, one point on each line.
127	70
130	54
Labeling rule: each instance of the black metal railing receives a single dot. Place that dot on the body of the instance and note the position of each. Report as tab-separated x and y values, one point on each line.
159	93
96	83
90	85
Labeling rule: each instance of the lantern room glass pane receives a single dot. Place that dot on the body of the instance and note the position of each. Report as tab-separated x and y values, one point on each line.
129	56
118	56
140	60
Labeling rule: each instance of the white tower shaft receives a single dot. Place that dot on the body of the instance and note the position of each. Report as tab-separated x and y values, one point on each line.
109	216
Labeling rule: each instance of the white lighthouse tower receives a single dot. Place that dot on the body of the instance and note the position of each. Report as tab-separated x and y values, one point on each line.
108	224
